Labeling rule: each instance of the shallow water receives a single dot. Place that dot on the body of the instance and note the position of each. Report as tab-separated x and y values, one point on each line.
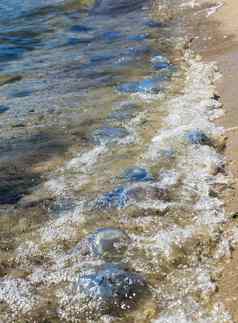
105	124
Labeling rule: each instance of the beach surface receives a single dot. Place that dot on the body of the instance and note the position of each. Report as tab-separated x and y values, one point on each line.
223	48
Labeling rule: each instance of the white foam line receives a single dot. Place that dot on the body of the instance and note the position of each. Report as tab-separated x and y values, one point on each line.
195	109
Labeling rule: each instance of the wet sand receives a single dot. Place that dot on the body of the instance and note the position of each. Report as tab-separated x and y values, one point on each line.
227	87
219	43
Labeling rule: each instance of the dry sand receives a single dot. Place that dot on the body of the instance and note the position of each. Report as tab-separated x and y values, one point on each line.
221	45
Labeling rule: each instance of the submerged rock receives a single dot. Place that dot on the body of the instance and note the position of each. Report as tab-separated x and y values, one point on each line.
3	108
115	199
137	174
151	86
107	134
111	288
105	242
120	196
197	137
160	62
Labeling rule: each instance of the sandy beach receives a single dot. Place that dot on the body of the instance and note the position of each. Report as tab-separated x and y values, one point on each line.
227	88
221	46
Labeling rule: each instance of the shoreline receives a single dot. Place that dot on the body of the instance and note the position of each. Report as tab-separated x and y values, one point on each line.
227	62
176	227
217	41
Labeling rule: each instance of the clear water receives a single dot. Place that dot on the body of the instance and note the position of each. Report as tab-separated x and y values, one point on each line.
100	129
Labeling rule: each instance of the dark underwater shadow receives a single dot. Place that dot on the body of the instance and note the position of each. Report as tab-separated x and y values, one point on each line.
18	157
